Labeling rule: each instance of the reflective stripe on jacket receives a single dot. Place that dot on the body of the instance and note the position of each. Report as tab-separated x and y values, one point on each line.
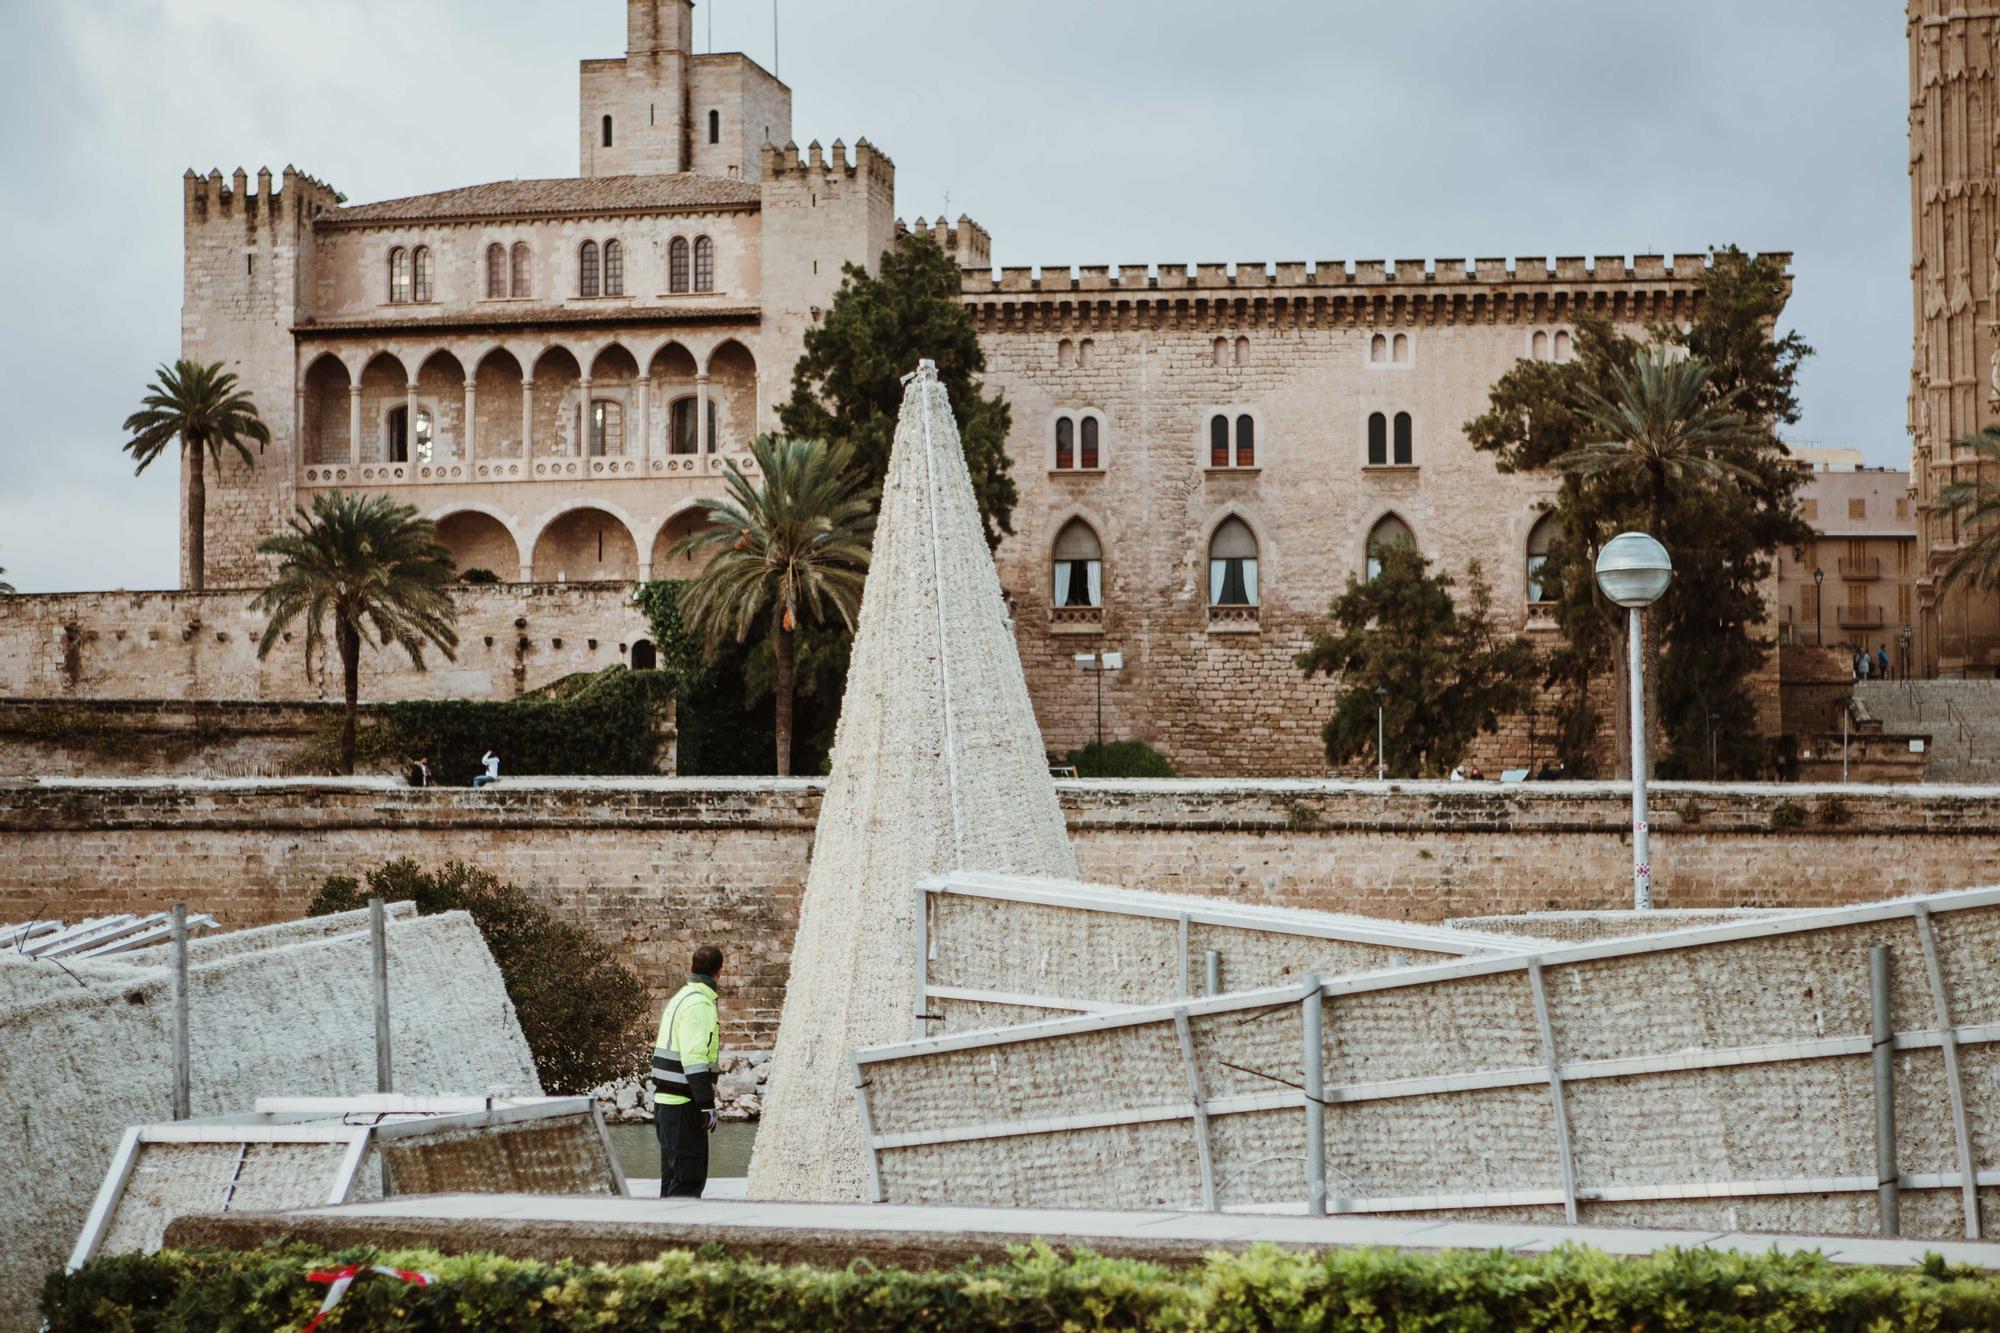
685	1051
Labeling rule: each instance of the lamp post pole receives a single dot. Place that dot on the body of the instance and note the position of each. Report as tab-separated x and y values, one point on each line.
1381	760
1632	571
1097	664
1819	609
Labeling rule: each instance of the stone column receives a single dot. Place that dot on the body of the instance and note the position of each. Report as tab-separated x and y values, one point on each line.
528	426
583	417
410	425
299	431
469	445
701	413
353	423
646	417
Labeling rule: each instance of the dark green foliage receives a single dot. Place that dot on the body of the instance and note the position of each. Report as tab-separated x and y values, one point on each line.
1722	534
605	723
848	385
482	576
1448	675
1119	759
1571	1290
580	1009
1787	815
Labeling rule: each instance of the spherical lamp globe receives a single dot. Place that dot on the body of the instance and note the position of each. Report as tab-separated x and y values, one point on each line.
1633	569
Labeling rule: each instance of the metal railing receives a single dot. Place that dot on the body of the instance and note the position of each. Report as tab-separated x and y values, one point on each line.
1860	617
1865	567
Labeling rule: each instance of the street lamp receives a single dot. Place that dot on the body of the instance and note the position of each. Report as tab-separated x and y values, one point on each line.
1819	609
1097	667
1906	651
1381	762
1633	570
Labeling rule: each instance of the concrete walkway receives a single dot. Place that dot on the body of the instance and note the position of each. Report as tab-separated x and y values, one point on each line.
618	1230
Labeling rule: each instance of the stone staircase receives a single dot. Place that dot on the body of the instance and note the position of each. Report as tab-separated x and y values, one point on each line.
1962	718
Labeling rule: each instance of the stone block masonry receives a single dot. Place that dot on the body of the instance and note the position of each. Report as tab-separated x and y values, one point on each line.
656	866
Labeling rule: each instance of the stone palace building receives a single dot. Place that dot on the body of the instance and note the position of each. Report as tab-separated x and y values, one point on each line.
558	371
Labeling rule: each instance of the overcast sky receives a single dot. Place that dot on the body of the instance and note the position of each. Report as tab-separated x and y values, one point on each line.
1076	131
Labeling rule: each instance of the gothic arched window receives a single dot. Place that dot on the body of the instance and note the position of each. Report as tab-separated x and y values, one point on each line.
1232	565
1388	531
1077	567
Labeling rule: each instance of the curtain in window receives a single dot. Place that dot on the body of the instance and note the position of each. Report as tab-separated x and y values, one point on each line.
1078	566
1232	565
682	440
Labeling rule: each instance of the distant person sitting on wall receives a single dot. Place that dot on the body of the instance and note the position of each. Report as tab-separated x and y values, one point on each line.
1457	773
1473	773
1551	772
1882	661
492	773
420	772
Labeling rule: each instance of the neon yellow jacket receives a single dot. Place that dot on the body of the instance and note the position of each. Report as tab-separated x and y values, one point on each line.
684	1053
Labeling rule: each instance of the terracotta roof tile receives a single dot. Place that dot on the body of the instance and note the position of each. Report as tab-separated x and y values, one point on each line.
583	194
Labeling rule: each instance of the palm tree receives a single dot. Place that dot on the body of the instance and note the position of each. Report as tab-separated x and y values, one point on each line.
369	563
1663	428
797	545
200	406
1975	505
6	588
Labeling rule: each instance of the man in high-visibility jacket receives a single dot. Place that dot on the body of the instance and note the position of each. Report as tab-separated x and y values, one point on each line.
684	1056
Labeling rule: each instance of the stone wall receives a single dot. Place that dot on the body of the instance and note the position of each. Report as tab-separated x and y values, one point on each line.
185	738
176	645
656	866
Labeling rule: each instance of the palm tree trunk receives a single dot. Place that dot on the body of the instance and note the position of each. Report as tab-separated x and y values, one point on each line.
785	648
350	670
193	546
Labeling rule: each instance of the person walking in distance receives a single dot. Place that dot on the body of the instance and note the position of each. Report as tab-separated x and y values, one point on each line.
492	773
1881	661
684	1056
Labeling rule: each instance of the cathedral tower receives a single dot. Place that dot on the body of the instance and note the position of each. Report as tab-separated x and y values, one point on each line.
1955	378
635	110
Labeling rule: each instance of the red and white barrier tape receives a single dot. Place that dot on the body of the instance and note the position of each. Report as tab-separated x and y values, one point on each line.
342	1279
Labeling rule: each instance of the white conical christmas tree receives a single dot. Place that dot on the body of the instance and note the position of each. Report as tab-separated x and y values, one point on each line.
938	765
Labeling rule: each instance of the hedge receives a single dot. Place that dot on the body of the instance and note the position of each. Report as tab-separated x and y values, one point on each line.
604	723
1119	759
1570	1289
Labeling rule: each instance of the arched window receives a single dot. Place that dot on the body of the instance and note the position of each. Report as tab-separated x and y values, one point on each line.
402	448
1378	439
1065	354
1065	443
1218	441
1088	453
1538	346
715	127
1232	565
607	428
496	270
522	286
614	269
1242	351
587	275
1562	345
399	275
1541	540
1083	351
1405	452
1378	349
423	268
704	264
1246	441
1388	531
677	265
681	437
645	657
1221	350
607	131
1402	356
1078	567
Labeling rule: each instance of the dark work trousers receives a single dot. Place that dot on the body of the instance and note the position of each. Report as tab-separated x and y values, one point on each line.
682	1129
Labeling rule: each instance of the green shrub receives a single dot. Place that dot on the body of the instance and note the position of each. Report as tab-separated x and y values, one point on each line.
478	576
605	722
580	1009
1787	815
1833	812
1301	817
1119	759
1571	1289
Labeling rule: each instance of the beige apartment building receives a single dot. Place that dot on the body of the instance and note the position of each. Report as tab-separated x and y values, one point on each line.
1855	584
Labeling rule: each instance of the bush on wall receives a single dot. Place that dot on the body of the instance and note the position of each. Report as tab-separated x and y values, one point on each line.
1119	759
1571	1289
580	1009
607	723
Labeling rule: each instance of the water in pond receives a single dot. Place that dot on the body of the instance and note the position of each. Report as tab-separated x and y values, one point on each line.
728	1149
